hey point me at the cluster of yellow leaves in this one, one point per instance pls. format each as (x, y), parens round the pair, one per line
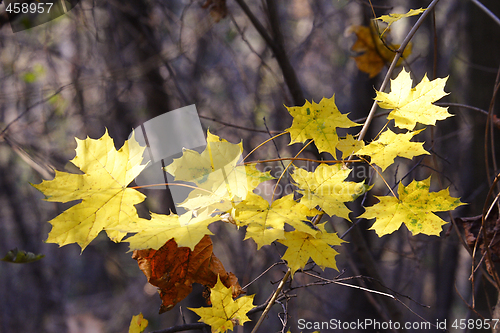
(224, 186)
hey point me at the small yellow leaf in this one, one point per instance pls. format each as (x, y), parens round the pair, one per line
(319, 122)
(349, 146)
(414, 105)
(413, 208)
(317, 246)
(138, 324)
(391, 18)
(389, 145)
(225, 312)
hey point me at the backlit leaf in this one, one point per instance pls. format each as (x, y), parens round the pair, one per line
(265, 223)
(319, 122)
(186, 229)
(225, 312)
(221, 181)
(391, 18)
(317, 246)
(325, 187)
(349, 146)
(138, 324)
(414, 105)
(106, 202)
(384, 150)
(413, 208)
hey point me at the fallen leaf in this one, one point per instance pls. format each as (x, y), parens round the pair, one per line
(218, 9)
(174, 269)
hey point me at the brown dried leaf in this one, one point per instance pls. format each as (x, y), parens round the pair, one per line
(174, 269)
(472, 228)
(218, 9)
(374, 55)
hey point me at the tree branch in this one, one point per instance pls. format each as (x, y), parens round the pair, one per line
(276, 43)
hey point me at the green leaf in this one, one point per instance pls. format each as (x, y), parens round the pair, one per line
(21, 257)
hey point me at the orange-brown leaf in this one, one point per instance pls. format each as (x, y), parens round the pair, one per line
(374, 55)
(218, 9)
(174, 269)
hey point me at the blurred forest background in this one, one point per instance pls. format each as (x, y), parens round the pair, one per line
(116, 64)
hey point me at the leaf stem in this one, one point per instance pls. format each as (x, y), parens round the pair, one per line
(284, 171)
(171, 184)
(272, 300)
(263, 143)
(300, 159)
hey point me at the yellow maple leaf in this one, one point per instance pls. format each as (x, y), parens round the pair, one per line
(414, 105)
(106, 202)
(374, 55)
(384, 150)
(413, 208)
(325, 187)
(225, 312)
(391, 18)
(186, 229)
(265, 223)
(138, 324)
(349, 146)
(317, 246)
(221, 181)
(319, 122)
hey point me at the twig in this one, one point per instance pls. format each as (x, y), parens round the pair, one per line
(261, 274)
(272, 300)
(237, 126)
(33, 105)
(277, 46)
(487, 11)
